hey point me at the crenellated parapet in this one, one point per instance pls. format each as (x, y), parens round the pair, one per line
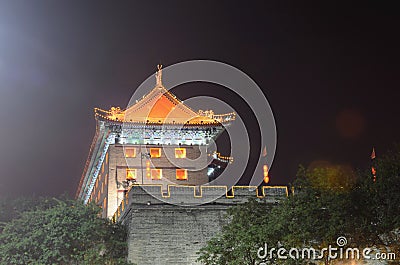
(145, 196)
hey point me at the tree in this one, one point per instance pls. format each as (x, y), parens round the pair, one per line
(375, 205)
(236, 244)
(62, 232)
(313, 217)
(11, 208)
(328, 202)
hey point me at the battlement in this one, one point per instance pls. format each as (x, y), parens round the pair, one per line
(139, 196)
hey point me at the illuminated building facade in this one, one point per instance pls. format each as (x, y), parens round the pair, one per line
(157, 140)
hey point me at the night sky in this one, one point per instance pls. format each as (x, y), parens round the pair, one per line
(330, 73)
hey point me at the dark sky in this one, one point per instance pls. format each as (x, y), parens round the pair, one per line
(330, 73)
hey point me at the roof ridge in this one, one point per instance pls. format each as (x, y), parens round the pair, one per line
(162, 91)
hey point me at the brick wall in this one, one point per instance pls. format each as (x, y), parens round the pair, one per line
(117, 165)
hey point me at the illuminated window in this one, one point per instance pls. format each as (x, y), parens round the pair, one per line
(130, 152)
(265, 171)
(180, 152)
(130, 174)
(155, 152)
(156, 173)
(107, 158)
(181, 174)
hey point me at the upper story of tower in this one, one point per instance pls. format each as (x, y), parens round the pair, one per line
(160, 108)
(159, 119)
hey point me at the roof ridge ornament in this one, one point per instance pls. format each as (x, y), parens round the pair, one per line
(159, 75)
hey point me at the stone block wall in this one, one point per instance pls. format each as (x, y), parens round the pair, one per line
(170, 227)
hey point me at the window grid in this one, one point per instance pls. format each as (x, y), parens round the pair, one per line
(181, 174)
(180, 152)
(130, 152)
(130, 174)
(156, 174)
(155, 152)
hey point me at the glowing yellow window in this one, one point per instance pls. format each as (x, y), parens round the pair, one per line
(181, 174)
(130, 152)
(155, 152)
(104, 203)
(180, 152)
(130, 174)
(156, 173)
